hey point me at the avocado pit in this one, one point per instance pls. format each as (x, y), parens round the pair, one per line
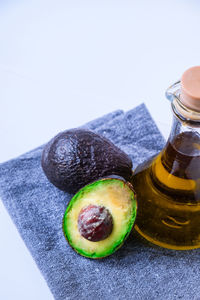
(95, 223)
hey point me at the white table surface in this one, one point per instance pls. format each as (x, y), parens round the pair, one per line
(63, 63)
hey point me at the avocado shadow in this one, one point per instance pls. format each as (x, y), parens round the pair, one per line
(137, 249)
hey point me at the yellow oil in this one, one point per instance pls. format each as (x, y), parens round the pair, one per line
(168, 193)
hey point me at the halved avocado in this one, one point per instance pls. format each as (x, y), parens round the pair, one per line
(100, 217)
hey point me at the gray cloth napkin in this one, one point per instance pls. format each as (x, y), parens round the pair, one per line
(137, 270)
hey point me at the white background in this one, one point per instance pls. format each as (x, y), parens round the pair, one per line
(63, 63)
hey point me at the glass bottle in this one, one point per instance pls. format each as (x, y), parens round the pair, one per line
(168, 185)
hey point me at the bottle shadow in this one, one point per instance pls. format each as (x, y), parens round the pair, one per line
(137, 249)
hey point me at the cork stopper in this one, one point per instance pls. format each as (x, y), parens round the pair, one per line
(190, 88)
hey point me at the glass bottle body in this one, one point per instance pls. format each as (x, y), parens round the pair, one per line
(168, 189)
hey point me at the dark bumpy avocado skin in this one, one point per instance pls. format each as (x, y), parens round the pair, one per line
(76, 157)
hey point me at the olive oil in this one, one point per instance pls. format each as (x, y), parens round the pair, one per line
(168, 192)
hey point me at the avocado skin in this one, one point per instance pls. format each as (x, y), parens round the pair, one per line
(76, 157)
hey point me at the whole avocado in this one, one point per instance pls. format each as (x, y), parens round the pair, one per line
(76, 157)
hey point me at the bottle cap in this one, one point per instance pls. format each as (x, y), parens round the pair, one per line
(190, 88)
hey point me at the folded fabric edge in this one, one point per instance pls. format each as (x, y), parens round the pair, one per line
(142, 105)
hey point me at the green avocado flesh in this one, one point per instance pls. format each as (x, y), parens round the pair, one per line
(119, 199)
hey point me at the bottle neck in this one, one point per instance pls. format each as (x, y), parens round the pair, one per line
(184, 128)
(185, 121)
(181, 155)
